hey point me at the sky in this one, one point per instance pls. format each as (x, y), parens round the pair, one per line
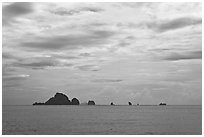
(144, 53)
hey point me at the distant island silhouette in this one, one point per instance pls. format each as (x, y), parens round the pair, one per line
(91, 102)
(60, 99)
(112, 104)
(162, 104)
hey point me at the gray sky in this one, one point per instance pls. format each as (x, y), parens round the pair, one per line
(107, 52)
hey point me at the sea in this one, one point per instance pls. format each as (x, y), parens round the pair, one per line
(101, 120)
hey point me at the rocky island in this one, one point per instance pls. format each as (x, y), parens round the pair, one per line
(91, 102)
(59, 99)
(112, 104)
(162, 104)
(129, 103)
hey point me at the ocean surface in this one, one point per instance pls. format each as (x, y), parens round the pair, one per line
(102, 120)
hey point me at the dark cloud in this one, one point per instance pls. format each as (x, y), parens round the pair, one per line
(85, 54)
(184, 56)
(123, 44)
(41, 63)
(107, 80)
(70, 41)
(12, 11)
(63, 56)
(6, 55)
(7, 70)
(174, 24)
(97, 24)
(130, 38)
(68, 12)
(37, 63)
(92, 9)
(88, 67)
(64, 12)
(9, 56)
(159, 50)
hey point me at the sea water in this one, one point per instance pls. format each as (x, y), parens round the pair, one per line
(101, 120)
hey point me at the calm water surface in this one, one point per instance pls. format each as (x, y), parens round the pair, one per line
(102, 120)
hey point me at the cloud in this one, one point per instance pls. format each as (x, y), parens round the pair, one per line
(88, 68)
(64, 12)
(16, 76)
(97, 24)
(70, 41)
(137, 4)
(85, 54)
(184, 56)
(14, 80)
(7, 55)
(177, 23)
(11, 11)
(64, 56)
(67, 12)
(41, 63)
(92, 9)
(123, 44)
(107, 80)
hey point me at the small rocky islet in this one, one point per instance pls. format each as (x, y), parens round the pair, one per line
(91, 102)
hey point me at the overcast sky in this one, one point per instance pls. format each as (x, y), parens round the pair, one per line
(145, 53)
